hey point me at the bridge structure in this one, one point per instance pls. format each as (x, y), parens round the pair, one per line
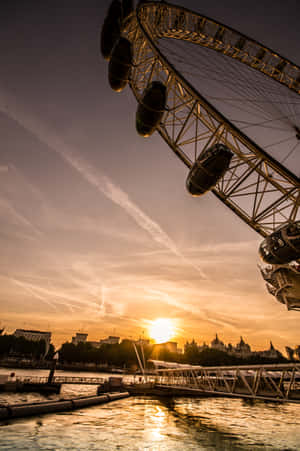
(61, 380)
(273, 382)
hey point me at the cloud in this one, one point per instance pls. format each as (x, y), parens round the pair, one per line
(227, 248)
(102, 183)
(17, 218)
(15, 190)
(55, 296)
(19, 182)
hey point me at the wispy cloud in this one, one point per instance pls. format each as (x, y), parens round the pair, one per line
(17, 192)
(29, 289)
(55, 296)
(197, 312)
(16, 217)
(101, 182)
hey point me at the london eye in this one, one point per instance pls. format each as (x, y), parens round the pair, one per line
(229, 109)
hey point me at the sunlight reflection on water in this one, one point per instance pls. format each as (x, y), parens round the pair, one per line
(136, 424)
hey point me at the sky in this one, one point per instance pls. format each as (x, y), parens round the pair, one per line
(98, 233)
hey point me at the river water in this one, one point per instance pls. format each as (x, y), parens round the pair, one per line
(142, 423)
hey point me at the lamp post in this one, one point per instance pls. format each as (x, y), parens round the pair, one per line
(53, 366)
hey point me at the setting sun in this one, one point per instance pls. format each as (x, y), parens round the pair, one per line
(162, 330)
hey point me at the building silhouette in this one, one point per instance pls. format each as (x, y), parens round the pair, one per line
(82, 338)
(240, 350)
(79, 338)
(35, 335)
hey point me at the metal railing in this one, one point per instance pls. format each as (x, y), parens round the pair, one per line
(61, 380)
(269, 382)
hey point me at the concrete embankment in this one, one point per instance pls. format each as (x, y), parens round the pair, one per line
(26, 410)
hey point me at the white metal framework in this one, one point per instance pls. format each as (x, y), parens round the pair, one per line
(268, 382)
(257, 187)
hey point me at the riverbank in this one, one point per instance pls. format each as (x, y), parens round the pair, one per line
(75, 367)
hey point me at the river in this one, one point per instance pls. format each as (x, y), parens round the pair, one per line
(149, 424)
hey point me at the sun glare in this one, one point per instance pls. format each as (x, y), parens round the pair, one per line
(162, 330)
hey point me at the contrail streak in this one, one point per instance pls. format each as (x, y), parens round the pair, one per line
(17, 217)
(32, 292)
(101, 182)
(60, 298)
(201, 313)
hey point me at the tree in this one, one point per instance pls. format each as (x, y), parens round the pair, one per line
(20, 347)
(191, 352)
(290, 352)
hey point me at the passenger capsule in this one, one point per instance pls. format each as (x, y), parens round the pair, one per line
(127, 8)
(282, 246)
(209, 167)
(111, 29)
(151, 108)
(283, 282)
(120, 64)
(115, 9)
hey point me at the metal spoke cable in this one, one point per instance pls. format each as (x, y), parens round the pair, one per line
(213, 69)
(290, 153)
(208, 76)
(282, 99)
(248, 88)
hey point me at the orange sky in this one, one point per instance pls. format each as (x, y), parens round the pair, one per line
(98, 233)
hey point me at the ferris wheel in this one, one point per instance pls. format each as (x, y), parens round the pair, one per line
(229, 109)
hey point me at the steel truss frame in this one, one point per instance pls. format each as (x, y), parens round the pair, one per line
(269, 382)
(261, 191)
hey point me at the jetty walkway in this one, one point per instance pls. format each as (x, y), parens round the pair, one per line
(275, 382)
(278, 382)
(61, 380)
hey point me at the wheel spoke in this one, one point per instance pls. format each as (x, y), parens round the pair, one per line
(243, 88)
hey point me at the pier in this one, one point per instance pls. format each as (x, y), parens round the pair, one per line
(42, 384)
(266, 382)
(275, 382)
(61, 380)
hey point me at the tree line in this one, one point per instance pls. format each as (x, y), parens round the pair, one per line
(123, 355)
(20, 347)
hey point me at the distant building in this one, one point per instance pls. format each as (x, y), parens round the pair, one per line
(94, 344)
(170, 346)
(271, 353)
(35, 335)
(202, 347)
(218, 344)
(111, 340)
(191, 347)
(79, 338)
(142, 342)
(242, 349)
(290, 352)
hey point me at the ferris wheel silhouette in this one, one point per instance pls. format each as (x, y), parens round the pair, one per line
(229, 109)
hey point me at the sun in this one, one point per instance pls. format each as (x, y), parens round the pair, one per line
(162, 330)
